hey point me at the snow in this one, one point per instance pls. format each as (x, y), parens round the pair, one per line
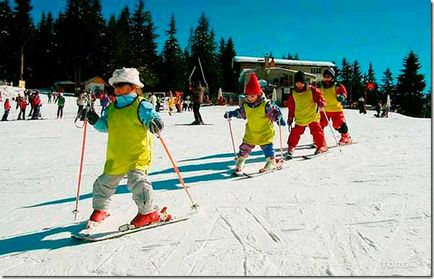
(361, 211)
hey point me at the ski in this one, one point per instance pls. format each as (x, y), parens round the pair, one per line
(260, 172)
(340, 145)
(94, 237)
(314, 155)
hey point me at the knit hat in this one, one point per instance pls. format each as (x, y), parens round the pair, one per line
(253, 87)
(127, 75)
(329, 71)
(299, 77)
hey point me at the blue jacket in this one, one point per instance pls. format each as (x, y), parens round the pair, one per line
(147, 112)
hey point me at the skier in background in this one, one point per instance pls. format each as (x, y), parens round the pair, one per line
(334, 94)
(260, 114)
(60, 104)
(7, 107)
(153, 99)
(22, 103)
(198, 96)
(171, 103)
(129, 122)
(304, 104)
(362, 105)
(37, 104)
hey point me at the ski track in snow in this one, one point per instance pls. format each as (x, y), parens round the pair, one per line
(361, 210)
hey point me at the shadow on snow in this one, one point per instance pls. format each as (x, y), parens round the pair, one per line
(217, 171)
(40, 240)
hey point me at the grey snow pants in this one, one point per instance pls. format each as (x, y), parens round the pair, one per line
(105, 187)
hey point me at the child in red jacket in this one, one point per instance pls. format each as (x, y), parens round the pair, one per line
(23, 105)
(7, 107)
(304, 104)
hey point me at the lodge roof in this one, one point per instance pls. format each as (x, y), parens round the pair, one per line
(251, 59)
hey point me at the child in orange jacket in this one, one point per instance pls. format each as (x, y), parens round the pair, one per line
(304, 104)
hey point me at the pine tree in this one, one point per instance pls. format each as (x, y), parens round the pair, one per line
(144, 48)
(123, 40)
(97, 50)
(203, 46)
(81, 33)
(345, 77)
(43, 51)
(427, 105)
(110, 45)
(226, 54)
(357, 86)
(387, 86)
(23, 30)
(410, 86)
(58, 50)
(220, 57)
(8, 52)
(173, 69)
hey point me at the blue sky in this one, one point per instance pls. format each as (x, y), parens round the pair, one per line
(379, 31)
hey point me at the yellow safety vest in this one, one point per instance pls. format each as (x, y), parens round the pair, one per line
(333, 105)
(259, 128)
(129, 144)
(305, 108)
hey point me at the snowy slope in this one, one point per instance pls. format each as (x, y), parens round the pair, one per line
(364, 210)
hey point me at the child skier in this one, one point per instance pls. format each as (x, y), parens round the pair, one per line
(334, 94)
(128, 122)
(304, 104)
(260, 114)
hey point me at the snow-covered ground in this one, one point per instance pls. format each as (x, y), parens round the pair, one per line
(364, 210)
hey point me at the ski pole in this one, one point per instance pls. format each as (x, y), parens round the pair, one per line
(189, 78)
(201, 69)
(194, 205)
(331, 129)
(232, 137)
(81, 168)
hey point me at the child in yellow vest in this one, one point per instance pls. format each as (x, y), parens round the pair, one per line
(334, 94)
(304, 104)
(129, 121)
(260, 114)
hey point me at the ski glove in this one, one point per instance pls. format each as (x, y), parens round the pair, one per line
(230, 114)
(341, 98)
(90, 114)
(156, 126)
(290, 120)
(282, 122)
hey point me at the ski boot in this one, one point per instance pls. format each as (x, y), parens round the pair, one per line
(142, 220)
(241, 163)
(271, 164)
(345, 139)
(321, 149)
(290, 153)
(96, 218)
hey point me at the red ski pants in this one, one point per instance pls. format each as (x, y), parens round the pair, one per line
(315, 130)
(336, 118)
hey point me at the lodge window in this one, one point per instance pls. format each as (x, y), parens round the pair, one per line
(315, 70)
